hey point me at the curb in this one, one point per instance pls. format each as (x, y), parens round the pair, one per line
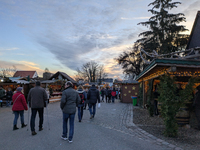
(147, 135)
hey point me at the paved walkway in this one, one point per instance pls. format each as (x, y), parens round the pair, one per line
(111, 129)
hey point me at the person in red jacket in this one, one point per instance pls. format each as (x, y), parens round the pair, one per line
(113, 93)
(19, 105)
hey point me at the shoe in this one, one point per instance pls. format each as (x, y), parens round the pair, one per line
(91, 116)
(70, 141)
(15, 127)
(64, 138)
(34, 133)
(23, 125)
(40, 129)
(79, 121)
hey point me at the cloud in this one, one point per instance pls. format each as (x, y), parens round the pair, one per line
(22, 65)
(8, 49)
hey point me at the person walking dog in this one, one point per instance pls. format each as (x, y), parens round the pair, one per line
(19, 105)
(37, 99)
(93, 96)
(69, 101)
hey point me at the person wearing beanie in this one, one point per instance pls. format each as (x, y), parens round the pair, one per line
(83, 96)
(69, 101)
(19, 105)
(37, 99)
(93, 96)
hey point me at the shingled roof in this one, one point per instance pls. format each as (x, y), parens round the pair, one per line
(24, 74)
(194, 40)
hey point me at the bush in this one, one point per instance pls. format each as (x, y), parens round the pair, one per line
(172, 101)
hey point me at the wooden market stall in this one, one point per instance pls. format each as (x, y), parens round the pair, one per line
(182, 69)
(128, 89)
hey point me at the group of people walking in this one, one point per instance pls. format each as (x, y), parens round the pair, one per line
(109, 94)
(71, 99)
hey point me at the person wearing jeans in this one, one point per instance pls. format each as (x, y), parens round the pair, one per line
(19, 105)
(69, 101)
(113, 94)
(92, 109)
(83, 96)
(93, 96)
(71, 125)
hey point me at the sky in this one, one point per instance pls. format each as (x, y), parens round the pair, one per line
(61, 35)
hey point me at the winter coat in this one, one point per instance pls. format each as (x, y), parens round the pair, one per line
(102, 92)
(113, 93)
(2, 93)
(108, 92)
(9, 95)
(82, 95)
(19, 102)
(69, 101)
(93, 95)
(37, 97)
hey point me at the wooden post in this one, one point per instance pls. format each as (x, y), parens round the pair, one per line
(143, 93)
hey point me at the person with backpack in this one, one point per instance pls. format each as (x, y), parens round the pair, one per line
(113, 94)
(93, 96)
(83, 96)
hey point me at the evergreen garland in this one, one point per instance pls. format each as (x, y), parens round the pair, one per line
(172, 101)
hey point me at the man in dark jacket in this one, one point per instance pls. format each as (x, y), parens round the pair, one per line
(37, 99)
(102, 94)
(93, 96)
(108, 94)
(69, 101)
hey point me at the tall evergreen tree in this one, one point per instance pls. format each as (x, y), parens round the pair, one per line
(165, 34)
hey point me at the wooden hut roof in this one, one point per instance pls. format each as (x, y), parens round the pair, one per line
(64, 75)
(195, 33)
(164, 64)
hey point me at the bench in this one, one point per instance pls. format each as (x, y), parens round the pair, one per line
(4, 102)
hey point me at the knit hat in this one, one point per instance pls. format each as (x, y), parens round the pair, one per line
(19, 89)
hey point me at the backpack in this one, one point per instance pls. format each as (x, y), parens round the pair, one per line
(113, 93)
(82, 97)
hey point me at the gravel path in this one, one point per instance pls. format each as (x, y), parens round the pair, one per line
(188, 138)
